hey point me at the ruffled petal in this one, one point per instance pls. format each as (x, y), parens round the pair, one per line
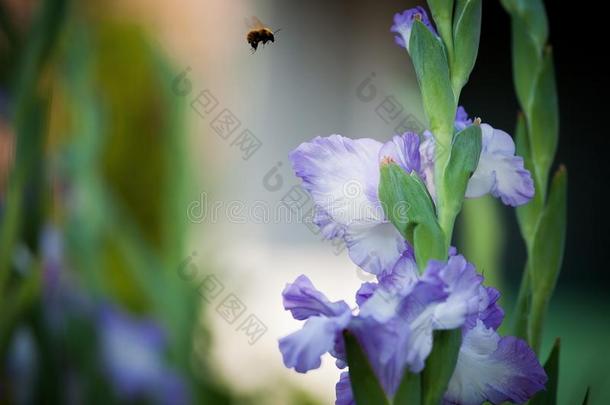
(489, 311)
(417, 311)
(500, 172)
(342, 176)
(494, 369)
(383, 303)
(375, 248)
(404, 150)
(344, 390)
(446, 296)
(462, 284)
(302, 350)
(365, 292)
(303, 300)
(403, 23)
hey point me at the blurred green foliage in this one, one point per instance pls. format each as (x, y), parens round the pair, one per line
(101, 157)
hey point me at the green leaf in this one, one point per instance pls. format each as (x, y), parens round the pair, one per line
(527, 214)
(442, 13)
(547, 250)
(549, 396)
(466, 34)
(429, 244)
(440, 365)
(365, 386)
(526, 63)
(547, 254)
(409, 390)
(408, 206)
(432, 69)
(463, 161)
(534, 18)
(544, 120)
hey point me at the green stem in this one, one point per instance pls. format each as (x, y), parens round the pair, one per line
(537, 314)
(446, 216)
(520, 314)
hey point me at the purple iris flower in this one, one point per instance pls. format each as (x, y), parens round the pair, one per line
(395, 323)
(403, 23)
(342, 176)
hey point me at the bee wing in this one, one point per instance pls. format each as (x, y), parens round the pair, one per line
(256, 23)
(248, 23)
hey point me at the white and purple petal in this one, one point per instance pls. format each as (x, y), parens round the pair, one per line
(462, 283)
(303, 300)
(365, 292)
(303, 349)
(375, 248)
(393, 286)
(417, 311)
(489, 311)
(446, 296)
(342, 176)
(500, 172)
(495, 369)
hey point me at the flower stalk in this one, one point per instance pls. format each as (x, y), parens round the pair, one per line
(543, 220)
(426, 331)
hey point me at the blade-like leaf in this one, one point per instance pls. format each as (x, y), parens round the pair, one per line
(408, 206)
(365, 386)
(463, 161)
(547, 250)
(544, 120)
(466, 34)
(440, 365)
(527, 214)
(442, 13)
(409, 390)
(547, 254)
(534, 18)
(526, 63)
(432, 69)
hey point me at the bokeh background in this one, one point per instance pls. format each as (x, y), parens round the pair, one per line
(139, 237)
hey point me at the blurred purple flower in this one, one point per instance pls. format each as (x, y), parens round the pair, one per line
(133, 356)
(22, 364)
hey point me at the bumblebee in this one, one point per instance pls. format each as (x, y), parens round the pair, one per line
(258, 32)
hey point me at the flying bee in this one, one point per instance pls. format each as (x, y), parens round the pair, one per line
(257, 32)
